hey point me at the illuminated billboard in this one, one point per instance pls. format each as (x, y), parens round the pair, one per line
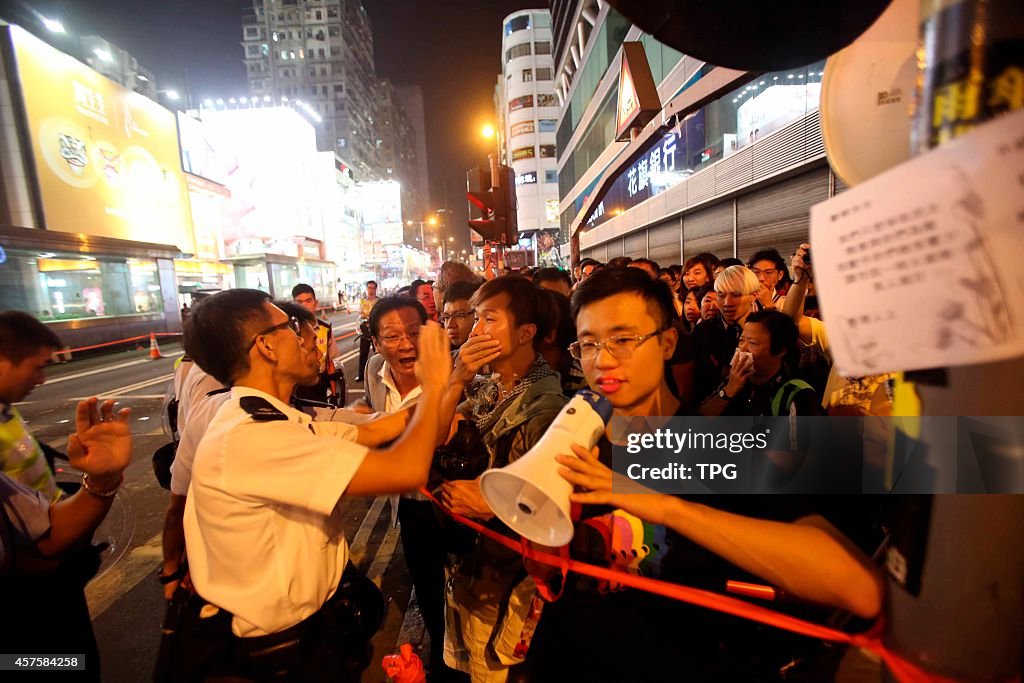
(106, 157)
(382, 212)
(266, 158)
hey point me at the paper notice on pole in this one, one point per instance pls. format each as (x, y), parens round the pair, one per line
(923, 266)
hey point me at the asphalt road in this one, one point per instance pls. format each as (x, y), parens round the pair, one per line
(125, 600)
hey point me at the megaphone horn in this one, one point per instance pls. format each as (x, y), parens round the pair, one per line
(529, 495)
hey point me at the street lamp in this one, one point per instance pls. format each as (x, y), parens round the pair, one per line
(487, 131)
(53, 25)
(172, 94)
(432, 221)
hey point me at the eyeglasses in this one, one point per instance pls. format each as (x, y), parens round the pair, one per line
(621, 346)
(768, 272)
(396, 339)
(457, 317)
(292, 323)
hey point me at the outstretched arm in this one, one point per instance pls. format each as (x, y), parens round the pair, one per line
(807, 558)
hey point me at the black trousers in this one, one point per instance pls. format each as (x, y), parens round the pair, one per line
(424, 555)
(364, 354)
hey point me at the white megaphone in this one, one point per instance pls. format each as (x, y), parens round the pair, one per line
(529, 495)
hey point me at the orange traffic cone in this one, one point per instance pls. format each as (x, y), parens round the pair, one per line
(154, 348)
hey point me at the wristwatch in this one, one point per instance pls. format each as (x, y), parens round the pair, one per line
(724, 396)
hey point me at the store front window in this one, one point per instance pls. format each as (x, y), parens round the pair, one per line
(65, 286)
(710, 134)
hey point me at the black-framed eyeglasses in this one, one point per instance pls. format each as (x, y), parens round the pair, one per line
(621, 346)
(292, 323)
(458, 317)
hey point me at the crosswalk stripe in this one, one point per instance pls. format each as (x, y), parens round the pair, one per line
(357, 548)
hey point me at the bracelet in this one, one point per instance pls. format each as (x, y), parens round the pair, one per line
(101, 494)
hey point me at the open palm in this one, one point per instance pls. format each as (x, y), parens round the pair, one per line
(102, 442)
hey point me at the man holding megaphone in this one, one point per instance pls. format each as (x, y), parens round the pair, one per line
(624, 339)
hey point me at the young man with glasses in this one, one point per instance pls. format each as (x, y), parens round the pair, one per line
(272, 578)
(458, 317)
(770, 269)
(623, 323)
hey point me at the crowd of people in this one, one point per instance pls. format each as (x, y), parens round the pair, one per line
(459, 375)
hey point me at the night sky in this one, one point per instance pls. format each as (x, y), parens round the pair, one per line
(451, 48)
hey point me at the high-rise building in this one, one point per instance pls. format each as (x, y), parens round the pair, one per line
(118, 65)
(396, 151)
(411, 99)
(527, 117)
(730, 164)
(322, 55)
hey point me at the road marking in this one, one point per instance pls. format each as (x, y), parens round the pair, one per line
(357, 548)
(126, 573)
(131, 387)
(63, 441)
(87, 373)
(413, 629)
(384, 554)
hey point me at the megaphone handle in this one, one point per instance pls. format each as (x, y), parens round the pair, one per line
(543, 588)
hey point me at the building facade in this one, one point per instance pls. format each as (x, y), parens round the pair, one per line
(118, 65)
(397, 151)
(731, 164)
(527, 108)
(320, 54)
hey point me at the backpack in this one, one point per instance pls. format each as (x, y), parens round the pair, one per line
(782, 402)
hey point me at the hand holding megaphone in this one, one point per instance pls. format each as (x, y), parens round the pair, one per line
(529, 495)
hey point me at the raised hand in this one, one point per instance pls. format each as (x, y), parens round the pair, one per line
(434, 361)
(102, 443)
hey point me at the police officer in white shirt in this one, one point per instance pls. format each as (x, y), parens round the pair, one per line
(265, 541)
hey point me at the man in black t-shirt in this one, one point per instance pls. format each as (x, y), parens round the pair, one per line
(590, 634)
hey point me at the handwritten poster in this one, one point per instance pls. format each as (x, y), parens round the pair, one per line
(923, 266)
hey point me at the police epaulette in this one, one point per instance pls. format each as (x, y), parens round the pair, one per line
(261, 409)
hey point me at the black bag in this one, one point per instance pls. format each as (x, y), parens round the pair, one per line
(163, 457)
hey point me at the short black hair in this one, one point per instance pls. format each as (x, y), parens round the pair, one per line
(650, 263)
(772, 255)
(371, 282)
(294, 310)
(561, 317)
(303, 288)
(22, 335)
(784, 335)
(460, 291)
(704, 290)
(525, 302)
(729, 261)
(220, 328)
(551, 274)
(620, 262)
(393, 303)
(611, 281)
(589, 262)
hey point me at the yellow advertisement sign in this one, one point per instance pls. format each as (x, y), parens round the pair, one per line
(107, 158)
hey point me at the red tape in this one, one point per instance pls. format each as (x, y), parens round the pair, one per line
(905, 671)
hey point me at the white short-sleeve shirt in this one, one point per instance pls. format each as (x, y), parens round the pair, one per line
(264, 538)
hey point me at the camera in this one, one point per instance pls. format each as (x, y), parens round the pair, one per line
(807, 258)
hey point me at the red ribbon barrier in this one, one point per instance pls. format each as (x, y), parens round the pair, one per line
(903, 670)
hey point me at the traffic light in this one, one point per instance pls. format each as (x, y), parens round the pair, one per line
(492, 199)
